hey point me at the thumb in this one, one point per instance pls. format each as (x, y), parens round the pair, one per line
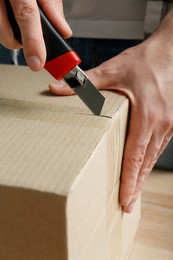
(107, 76)
(61, 88)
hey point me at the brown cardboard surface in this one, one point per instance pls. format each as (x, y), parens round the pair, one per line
(32, 225)
(61, 167)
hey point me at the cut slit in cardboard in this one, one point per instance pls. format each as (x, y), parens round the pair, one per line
(60, 171)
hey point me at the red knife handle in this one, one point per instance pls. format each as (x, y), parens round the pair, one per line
(61, 58)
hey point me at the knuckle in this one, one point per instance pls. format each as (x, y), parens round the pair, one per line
(134, 161)
(24, 12)
(165, 119)
(30, 42)
(168, 122)
(152, 116)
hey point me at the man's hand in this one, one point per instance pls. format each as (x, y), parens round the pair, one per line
(145, 75)
(28, 18)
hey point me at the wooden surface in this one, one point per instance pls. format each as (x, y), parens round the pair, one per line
(154, 239)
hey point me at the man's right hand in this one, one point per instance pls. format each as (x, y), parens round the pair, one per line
(27, 16)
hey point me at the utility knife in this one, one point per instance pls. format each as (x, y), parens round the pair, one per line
(62, 61)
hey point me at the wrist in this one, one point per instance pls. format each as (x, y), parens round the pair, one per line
(162, 39)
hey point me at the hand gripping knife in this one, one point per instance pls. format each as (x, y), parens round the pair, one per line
(62, 62)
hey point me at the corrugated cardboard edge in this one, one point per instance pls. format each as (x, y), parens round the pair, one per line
(106, 200)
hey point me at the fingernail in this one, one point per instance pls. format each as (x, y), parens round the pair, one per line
(34, 63)
(58, 84)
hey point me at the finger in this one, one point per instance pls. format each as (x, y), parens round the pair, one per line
(149, 161)
(6, 34)
(61, 88)
(112, 75)
(28, 18)
(109, 75)
(102, 77)
(152, 153)
(136, 144)
(155, 147)
(54, 11)
(129, 208)
(142, 175)
(165, 142)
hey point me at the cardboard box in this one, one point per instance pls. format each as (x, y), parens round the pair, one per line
(59, 173)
